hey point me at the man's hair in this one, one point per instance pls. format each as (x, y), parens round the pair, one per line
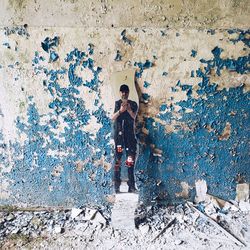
(124, 88)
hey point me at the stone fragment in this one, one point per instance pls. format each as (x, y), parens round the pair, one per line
(216, 201)
(178, 242)
(10, 217)
(89, 214)
(242, 192)
(57, 229)
(210, 209)
(15, 231)
(201, 190)
(99, 218)
(144, 229)
(244, 206)
(75, 212)
(229, 206)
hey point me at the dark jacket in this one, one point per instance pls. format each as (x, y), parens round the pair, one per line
(124, 126)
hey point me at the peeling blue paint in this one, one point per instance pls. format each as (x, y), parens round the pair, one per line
(240, 65)
(33, 162)
(243, 35)
(142, 67)
(124, 38)
(145, 97)
(211, 31)
(163, 33)
(193, 53)
(195, 149)
(50, 43)
(146, 84)
(37, 58)
(18, 30)
(53, 56)
(118, 56)
(7, 45)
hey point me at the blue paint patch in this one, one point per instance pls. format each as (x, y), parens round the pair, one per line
(145, 97)
(146, 84)
(18, 30)
(163, 33)
(142, 67)
(124, 38)
(239, 65)
(35, 170)
(211, 31)
(37, 58)
(7, 45)
(163, 107)
(243, 36)
(197, 149)
(193, 53)
(53, 56)
(91, 48)
(50, 43)
(118, 56)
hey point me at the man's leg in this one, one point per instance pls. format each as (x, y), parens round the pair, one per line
(131, 179)
(117, 169)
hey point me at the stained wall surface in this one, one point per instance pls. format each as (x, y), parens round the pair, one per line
(56, 102)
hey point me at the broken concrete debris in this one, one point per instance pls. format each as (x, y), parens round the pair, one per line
(41, 223)
(75, 212)
(242, 192)
(201, 190)
(208, 218)
(159, 227)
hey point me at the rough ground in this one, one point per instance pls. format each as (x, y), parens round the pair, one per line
(157, 227)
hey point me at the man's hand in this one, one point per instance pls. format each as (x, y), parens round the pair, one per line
(124, 107)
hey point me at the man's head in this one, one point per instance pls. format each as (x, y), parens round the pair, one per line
(124, 91)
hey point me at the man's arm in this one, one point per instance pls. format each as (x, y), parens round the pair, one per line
(115, 115)
(132, 110)
(118, 110)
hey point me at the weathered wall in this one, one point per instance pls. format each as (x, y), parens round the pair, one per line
(192, 62)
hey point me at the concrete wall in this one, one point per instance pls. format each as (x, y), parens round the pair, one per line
(192, 61)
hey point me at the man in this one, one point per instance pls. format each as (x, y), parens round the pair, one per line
(124, 136)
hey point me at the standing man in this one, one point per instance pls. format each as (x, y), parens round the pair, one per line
(124, 136)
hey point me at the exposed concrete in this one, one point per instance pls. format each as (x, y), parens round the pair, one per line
(127, 13)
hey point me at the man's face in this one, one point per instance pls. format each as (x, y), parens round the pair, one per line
(124, 95)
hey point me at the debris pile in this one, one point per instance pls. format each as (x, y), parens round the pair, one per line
(209, 223)
(33, 224)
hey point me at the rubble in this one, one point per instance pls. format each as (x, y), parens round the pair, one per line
(75, 212)
(242, 192)
(209, 224)
(33, 224)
